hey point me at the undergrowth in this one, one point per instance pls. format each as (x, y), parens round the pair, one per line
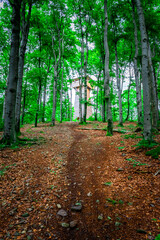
(154, 152)
(145, 144)
(20, 142)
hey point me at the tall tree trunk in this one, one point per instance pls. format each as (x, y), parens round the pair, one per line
(40, 83)
(119, 87)
(137, 81)
(57, 67)
(25, 32)
(97, 95)
(128, 98)
(54, 95)
(38, 101)
(85, 80)
(153, 86)
(107, 76)
(71, 102)
(44, 100)
(61, 93)
(145, 78)
(24, 103)
(9, 136)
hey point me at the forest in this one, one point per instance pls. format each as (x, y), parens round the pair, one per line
(44, 45)
(95, 174)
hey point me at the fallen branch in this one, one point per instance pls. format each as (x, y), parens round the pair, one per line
(157, 173)
(102, 129)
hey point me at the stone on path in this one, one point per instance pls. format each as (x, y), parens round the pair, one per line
(76, 208)
(62, 213)
(73, 223)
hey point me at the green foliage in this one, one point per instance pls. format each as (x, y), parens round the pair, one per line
(133, 136)
(145, 144)
(157, 237)
(135, 163)
(154, 152)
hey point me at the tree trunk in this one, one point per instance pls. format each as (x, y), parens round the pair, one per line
(145, 78)
(25, 32)
(24, 103)
(107, 76)
(119, 87)
(44, 100)
(128, 99)
(71, 102)
(9, 136)
(54, 95)
(61, 94)
(85, 80)
(138, 84)
(153, 86)
(40, 84)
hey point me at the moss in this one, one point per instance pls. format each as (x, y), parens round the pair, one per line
(154, 152)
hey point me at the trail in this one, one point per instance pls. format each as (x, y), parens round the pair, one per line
(85, 166)
(71, 166)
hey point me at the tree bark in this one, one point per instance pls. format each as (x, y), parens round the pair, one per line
(153, 86)
(40, 83)
(128, 99)
(24, 103)
(61, 93)
(25, 32)
(119, 87)
(145, 76)
(138, 84)
(9, 136)
(107, 76)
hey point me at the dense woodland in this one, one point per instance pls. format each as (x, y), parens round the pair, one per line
(44, 44)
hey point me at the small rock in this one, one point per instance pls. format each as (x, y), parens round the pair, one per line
(152, 205)
(100, 217)
(65, 225)
(30, 209)
(62, 213)
(150, 238)
(76, 208)
(73, 223)
(89, 194)
(59, 206)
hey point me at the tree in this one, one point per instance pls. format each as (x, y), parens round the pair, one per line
(22, 50)
(9, 136)
(106, 73)
(145, 74)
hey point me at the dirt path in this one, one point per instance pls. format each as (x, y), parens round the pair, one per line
(77, 168)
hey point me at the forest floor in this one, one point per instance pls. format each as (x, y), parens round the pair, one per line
(77, 183)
